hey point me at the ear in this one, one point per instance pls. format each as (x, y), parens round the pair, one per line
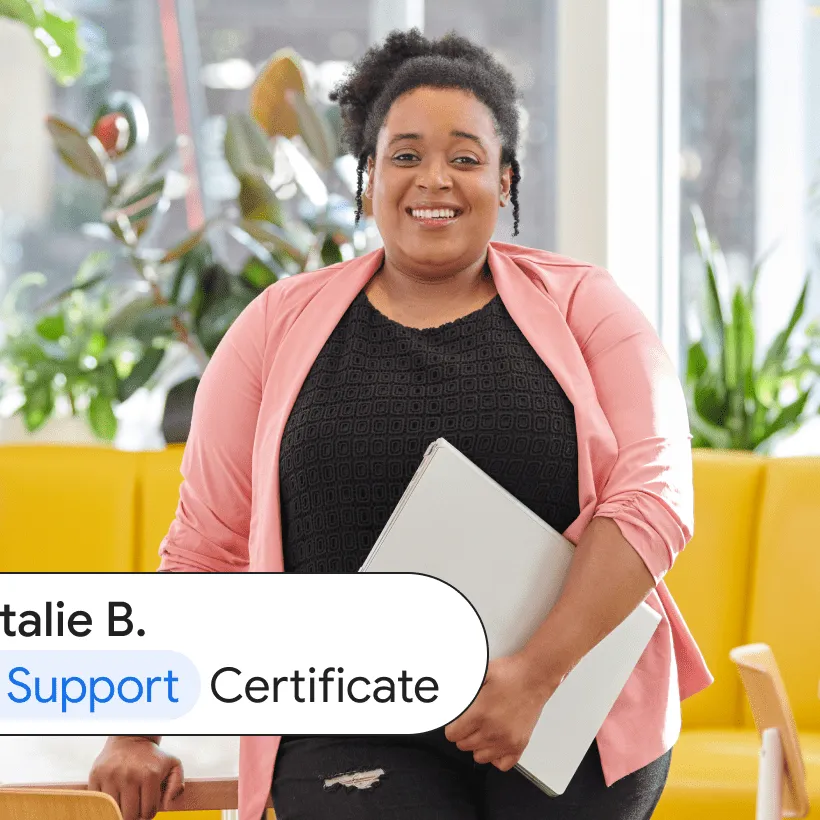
(506, 184)
(368, 191)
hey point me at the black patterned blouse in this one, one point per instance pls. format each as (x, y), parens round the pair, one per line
(379, 393)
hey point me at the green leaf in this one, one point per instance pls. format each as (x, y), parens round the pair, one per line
(96, 263)
(83, 154)
(697, 362)
(220, 315)
(775, 358)
(101, 417)
(258, 201)
(246, 148)
(788, 416)
(38, 407)
(156, 322)
(142, 371)
(314, 129)
(331, 254)
(133, 182)
(188, 270)
(126, 319)
(710, 399)
(22, 10)
(137, 208)
(258, 275)
(59, 41)
(51, 328)
(708, 434)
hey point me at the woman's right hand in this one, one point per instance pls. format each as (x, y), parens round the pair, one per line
(140, 777)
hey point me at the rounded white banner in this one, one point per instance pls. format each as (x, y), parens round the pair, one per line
(235, 653)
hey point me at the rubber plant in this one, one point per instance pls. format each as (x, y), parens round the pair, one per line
(186, 297)
(738, 401)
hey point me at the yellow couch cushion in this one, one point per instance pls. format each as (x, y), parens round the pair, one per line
(710, 580)
(785, 600)
(159, 480)
(714, 775)
(67, 509)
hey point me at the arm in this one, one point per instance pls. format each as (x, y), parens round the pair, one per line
(643, 519)
(212, 524)
(645, 514)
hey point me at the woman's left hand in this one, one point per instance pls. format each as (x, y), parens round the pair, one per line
(498, 724)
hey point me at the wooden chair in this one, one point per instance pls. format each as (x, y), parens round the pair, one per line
(781, 786)
(48, 804)
(72, 801)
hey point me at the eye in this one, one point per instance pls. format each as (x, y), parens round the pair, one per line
(404, 157)
(470, 160)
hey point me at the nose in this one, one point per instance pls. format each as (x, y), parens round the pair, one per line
(434, 174)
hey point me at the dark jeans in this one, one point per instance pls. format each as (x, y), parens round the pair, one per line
(426, 777)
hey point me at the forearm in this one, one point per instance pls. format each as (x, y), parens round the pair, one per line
(607, 580)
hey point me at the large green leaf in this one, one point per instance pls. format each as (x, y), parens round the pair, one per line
(38, 407)
(776, 355)
(258, 201)
(83, 154)
(708, 434)
(789, 415)
(331, 253)
(123, 322)
(101, 417)
(697, 362)
(51, 328)
(710, 399)
(142, 371)
(135, 181)
(59, 41)
(247, 150)
(314, 129)
(220, 314)
(138, 209)
(25, 11)
(156, 323)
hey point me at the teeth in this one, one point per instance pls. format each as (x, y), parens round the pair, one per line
(439, 213)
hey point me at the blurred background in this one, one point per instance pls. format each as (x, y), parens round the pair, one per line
(163, 161)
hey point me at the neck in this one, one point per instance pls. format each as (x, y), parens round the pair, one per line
(408, 286)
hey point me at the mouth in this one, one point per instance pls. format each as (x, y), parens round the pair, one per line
(435, 218)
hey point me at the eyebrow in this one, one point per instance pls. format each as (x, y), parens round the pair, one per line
(455, 133)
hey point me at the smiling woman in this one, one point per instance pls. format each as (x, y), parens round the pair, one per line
(535, 366)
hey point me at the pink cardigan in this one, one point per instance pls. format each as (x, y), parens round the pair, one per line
(634, 459)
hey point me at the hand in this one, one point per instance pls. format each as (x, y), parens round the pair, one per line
(498, 724)
(140, 777)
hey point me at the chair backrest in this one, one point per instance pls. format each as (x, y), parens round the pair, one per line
(45, 804)
(784, 605)
(770, 708)
(711, 578)
(67, 509)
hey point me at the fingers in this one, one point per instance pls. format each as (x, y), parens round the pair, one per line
(471, 742)
(129, 801)
(506, 763)
(149, 798)
(462, 727)
(174, 786)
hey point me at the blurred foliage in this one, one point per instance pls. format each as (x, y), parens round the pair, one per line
(55, 33)
(736, 402)
(294, 211)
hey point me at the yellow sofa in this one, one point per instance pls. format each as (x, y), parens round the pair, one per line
(750, 574)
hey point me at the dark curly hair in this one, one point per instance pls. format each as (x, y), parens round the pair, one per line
(408, 60)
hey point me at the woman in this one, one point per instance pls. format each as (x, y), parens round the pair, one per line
(536, 366)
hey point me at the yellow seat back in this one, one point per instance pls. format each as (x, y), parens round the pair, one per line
(159, 480)
(44, 804)
(785, 600)
(711, 578)
(67, 509)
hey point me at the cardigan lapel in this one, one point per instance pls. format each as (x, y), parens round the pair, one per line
(538, 317)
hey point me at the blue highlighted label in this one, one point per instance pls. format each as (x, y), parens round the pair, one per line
(89, 685)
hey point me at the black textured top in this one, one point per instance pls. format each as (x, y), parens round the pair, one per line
(379, 393)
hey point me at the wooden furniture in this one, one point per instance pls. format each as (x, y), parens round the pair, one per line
(41, 804)
(781, 785)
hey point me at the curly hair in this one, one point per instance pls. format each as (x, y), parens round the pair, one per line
(408, 60)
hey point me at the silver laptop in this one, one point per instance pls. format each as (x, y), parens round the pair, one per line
(457, 524)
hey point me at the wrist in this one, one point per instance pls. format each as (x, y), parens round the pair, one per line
(543, 672)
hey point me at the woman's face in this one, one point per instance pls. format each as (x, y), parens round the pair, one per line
(438, 149)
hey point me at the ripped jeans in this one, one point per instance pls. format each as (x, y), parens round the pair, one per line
(426, 777)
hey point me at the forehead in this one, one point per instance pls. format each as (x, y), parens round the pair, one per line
(435, 112)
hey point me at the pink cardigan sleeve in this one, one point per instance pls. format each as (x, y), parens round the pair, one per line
(211, 528)
(649, 493)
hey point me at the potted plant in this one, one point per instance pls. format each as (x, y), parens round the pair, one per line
(735, 401)
(293, 212)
